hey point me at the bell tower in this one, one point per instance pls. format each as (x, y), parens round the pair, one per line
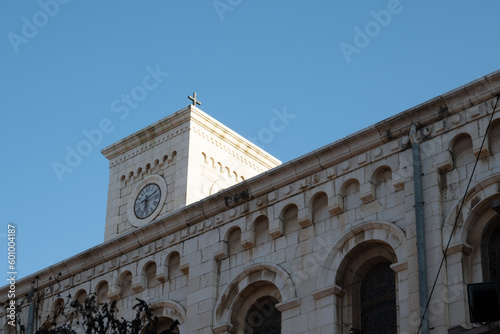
(172, 163)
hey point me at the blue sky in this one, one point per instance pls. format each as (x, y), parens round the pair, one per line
(337, 66)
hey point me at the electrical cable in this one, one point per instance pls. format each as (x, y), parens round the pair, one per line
(458, 213)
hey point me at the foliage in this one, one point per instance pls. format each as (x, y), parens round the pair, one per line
(100, 318)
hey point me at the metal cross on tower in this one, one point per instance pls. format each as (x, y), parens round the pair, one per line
(195, 101)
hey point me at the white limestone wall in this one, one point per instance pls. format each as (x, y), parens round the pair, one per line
(307, 233)
(287, 240)
(196, 156)
(220, 158)
(165, 155)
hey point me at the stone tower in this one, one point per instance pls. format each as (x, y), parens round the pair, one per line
(183, 158)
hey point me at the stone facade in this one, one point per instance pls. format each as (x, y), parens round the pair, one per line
(306, 234)
(192, 153)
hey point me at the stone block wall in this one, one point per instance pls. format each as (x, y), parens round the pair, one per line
(306, 234)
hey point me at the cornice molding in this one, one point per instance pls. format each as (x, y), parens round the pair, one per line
(150, 132)
(215, 129)
(219, 134)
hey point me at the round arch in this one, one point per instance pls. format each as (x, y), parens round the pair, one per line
(347, 183)
(162, 307)
(458, 137)
(375, 231)
(472, 221)
(272, 277)
(475, 213)
(80, 296)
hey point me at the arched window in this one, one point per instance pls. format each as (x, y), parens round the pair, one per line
(263, 317)
(378, 300)
(289, 217)
(164, 325)
(490, 250)
(102, 292)
(320, 207)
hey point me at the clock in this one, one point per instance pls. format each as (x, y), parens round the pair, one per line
(146, 200)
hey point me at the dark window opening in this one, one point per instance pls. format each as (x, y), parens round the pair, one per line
(263, 317)
(378, 301)
(491, 251)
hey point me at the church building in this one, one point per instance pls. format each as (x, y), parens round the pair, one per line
(383, 231)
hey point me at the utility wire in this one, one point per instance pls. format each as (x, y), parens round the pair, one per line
(458, 213)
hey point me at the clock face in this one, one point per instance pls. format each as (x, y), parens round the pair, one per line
(147, 201)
